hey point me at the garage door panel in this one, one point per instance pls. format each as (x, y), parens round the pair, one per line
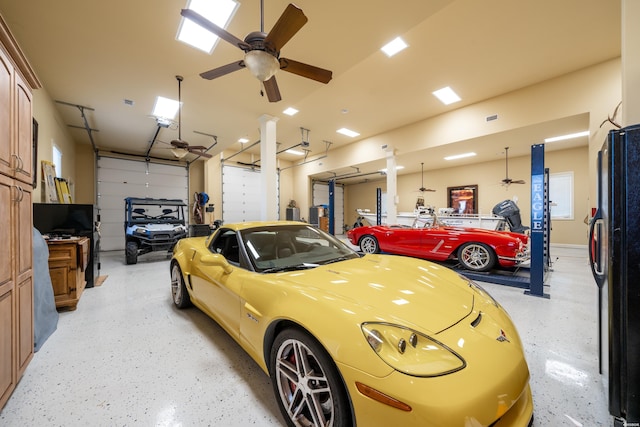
(241, 194)
(121, 178)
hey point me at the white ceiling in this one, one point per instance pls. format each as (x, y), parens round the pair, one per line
(97, 54)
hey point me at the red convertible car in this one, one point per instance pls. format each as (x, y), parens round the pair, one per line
(475, 249)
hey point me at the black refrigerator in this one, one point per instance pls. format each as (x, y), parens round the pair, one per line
(614, 253)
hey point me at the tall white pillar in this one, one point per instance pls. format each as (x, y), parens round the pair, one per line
(268, 171)
(392, 187)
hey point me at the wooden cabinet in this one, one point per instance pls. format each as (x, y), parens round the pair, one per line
(68, 260)
(17, 80)
(324, 223)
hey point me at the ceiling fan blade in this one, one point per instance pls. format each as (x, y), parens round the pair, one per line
(179, 143)
(518, 181)
(289, 23)
(196, 148)
(201, 153)
(210, 26)
(221, 71)
(271, 87)
(309, 71)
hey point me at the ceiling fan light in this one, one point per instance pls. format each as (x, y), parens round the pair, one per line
(179, 152)
(262, 65)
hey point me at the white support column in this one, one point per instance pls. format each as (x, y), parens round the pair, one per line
(268, 172)
(392, 187)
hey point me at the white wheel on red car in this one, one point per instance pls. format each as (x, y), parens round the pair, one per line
(476, 256)
(369, 244)
(306, 382)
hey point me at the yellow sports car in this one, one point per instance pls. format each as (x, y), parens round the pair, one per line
(350, 339)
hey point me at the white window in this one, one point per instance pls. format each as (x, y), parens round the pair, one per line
(57, 161)
(561, 195)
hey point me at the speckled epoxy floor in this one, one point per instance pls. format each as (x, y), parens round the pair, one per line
(127, 357)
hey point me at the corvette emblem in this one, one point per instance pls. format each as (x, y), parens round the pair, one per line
(502, 337)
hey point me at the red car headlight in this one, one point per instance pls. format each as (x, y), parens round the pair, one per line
(411, 352)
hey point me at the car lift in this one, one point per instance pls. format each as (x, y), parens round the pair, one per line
(530, 277)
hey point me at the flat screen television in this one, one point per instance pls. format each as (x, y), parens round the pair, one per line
(63, 218)
(59, 219)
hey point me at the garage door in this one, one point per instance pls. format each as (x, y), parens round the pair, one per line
(321, 198)
(241, 195)
(120, 178)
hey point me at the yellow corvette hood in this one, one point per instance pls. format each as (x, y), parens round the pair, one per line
(389, 288)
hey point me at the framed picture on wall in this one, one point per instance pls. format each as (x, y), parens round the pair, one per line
(463, 199)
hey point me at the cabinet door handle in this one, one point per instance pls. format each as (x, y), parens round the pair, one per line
(19, 195)
(19, 163)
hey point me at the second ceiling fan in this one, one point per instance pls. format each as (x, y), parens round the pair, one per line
(262, 50)
(181, 147)
(508, 181)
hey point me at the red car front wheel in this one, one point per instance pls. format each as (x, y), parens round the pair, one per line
(476, 256)
(369, 244)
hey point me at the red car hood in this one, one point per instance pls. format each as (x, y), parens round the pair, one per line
(390, 288)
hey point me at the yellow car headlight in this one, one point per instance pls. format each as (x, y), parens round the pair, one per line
(411, 352)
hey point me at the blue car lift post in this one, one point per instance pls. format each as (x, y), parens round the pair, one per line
(532, 278)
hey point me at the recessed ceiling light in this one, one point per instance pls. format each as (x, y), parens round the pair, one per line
(446, 95)
(165, 108)
(568, 136)
(290, 111)
(296, 152)
(219, 12)
(243, 140)
(460, 156)
(394, 46)
(348, 132)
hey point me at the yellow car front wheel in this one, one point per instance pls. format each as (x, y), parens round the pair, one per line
(309, 390)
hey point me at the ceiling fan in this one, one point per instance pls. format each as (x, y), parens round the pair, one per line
(182, 148)
(262, 50)
(422, 189)
(508, 181)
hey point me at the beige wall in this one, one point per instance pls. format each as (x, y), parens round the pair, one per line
(85, 168)
(490, 190)
(51, 130)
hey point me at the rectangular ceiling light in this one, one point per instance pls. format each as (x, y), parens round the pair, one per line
(296, 152)
(219, 12)
(290, 111)
(568, 136)
(165, 108)
(394, 46)
(348, 132)
(446, 95)
(460, 156)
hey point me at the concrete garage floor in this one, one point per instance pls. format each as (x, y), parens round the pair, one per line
(127, 357)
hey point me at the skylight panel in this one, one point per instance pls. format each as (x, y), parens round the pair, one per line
(219, 12)
(165, 108)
